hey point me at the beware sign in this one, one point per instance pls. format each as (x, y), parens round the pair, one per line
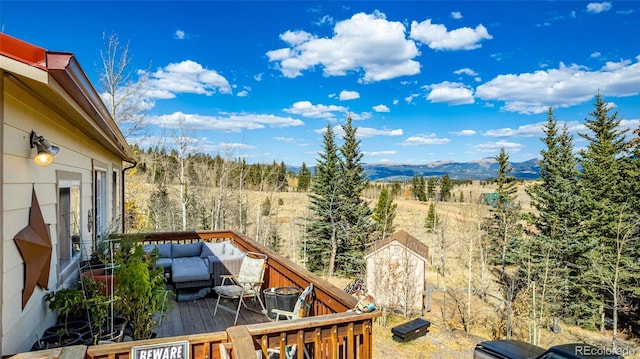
(173, 350)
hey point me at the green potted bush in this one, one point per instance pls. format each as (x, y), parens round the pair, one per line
(140, 289)
(70, 302)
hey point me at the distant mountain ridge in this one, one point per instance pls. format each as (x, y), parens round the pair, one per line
(481, 169)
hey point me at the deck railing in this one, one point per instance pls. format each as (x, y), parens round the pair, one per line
(342, 335)
(280, 271)
(330, 332)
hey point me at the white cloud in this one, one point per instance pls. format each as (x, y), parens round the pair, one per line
(381, 108)
(464, 133)
(595, 55)
(613, 66)
(437, 37)
(366, 43)
(409, 99)
(421, 140)
(598, 7)
(284, 139)
(228, 123)
(466, 71)
(452, 93)
(494, 147)
(179, 34)
(456, 15)
(184, 77)
(365, 132)
(533, 93)
(307, 109)
(530, 130)
(380, 153)
(348, 95)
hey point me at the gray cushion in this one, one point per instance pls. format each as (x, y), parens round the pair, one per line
(217, 249)
(186, 250)
(187, 269)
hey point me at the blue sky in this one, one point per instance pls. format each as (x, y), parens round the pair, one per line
(423, 81)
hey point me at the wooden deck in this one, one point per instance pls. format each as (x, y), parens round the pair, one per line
(196, 316)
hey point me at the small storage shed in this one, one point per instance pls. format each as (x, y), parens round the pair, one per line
(396, 272)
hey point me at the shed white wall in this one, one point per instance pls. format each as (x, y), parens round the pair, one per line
(22, 114)
(395, 277)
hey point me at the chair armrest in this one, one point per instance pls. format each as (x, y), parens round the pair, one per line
(229, 277)
(280, 312)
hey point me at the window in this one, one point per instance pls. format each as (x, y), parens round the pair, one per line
(115, 197)
(100, 202)
(69, 223)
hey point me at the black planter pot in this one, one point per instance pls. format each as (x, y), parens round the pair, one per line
(77, 326)
(56, 341)
(119, 323)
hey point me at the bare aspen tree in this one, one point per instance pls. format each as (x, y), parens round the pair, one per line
(615, 262)
(184, 143)
(124, 96)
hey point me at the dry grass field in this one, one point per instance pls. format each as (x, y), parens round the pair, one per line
(446, 337)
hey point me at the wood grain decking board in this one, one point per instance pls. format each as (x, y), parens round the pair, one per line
(196, 316)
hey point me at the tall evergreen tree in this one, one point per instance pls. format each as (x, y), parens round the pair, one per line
(418, 189)
(304, 178)
(431, 221)
(384, 214)
(431, 188)
(324, 230)
(555, 246)
(445, 188)
(356, 214)
(603, 196)
(504, 232)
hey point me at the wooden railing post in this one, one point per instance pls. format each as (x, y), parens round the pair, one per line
(242, 342)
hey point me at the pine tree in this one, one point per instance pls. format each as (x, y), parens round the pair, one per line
(555, 247)
(431, 221)
(431, 188)
(304, 178)
(356, 214)
(418, 189)
(504, 232)
(384, 214)
(603, 196)
(445, 188)
(324, 230)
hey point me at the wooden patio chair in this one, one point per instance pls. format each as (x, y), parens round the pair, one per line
(246, 284)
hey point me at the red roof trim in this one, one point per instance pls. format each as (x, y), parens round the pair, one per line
(23, 51)
(64, 68)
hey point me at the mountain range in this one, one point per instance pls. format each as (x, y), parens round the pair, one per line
(481, 169)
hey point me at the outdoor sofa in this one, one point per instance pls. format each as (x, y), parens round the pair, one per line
(197, 264)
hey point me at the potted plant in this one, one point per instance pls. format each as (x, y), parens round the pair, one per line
(59, 339)
(140, 288)
(70, 302)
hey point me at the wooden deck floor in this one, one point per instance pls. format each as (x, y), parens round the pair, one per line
(196, 316)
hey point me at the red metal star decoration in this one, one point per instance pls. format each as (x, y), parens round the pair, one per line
(34, 244)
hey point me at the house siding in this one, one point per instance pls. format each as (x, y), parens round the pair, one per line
(22, 113)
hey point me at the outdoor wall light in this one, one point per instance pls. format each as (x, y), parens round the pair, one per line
(46, 151)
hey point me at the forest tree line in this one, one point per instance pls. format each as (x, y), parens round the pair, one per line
(578, 254)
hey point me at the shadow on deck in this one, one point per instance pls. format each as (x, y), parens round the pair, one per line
(196, 316)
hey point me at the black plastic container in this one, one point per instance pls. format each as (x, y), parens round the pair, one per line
(286, 297)
(410, 330)
(270, 301)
